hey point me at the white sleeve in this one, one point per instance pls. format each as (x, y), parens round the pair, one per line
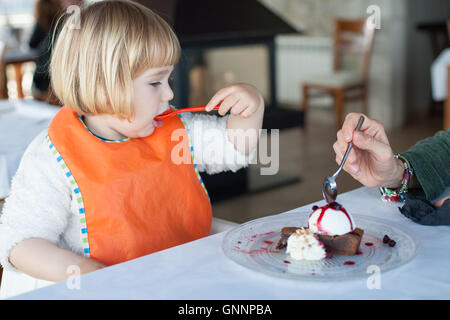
(213, 152)
(39, 201)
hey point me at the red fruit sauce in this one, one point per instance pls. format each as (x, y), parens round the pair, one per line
(334, 206)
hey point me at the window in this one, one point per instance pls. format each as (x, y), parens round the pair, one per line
(13, 7)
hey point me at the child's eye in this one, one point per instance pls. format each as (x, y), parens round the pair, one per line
(155, 84)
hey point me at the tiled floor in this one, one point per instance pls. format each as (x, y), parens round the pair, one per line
(307, 152)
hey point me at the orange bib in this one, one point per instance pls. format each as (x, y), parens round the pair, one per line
(133, 199)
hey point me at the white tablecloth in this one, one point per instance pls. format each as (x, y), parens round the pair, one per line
(20, 122)
(200, 270)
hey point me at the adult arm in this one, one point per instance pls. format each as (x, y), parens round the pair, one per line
(430, 159)
(371, 160)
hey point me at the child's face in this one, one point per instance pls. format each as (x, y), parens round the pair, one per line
(152, 94)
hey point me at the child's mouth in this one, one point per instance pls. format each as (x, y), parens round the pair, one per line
(157, 123)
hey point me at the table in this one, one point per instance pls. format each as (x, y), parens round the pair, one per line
(200, 270)
(20, 122)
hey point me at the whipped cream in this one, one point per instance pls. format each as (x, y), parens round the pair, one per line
(304, 245)
(331, 219)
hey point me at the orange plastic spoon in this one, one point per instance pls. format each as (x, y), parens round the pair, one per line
(170, 113)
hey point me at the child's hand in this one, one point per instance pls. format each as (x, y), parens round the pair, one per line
(241, 99)
(246, 106)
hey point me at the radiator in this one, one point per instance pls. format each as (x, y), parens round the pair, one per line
(298, 57)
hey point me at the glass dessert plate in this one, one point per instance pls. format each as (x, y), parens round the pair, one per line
(253, 245)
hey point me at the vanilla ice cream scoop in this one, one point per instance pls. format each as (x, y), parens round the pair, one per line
(304, 245)
(332, 220)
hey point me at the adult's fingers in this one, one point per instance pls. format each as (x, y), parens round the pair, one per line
(352, 167)
(370, 126)
(440, 202)
(341, 147)
(369, 143)
(350, 122)
(341, 143)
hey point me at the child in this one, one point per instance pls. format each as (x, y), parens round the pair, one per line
(100, 186)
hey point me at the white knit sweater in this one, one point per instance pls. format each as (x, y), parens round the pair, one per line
(41, 204)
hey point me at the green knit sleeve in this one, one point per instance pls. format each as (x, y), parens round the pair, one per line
(430, 160)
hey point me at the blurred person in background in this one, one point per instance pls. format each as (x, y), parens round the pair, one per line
(46, 14)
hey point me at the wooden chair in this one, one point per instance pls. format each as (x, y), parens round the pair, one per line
(3, 81)
(448, 29)
(355, 39)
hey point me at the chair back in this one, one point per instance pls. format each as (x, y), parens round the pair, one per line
(353, 44)
(3, 87)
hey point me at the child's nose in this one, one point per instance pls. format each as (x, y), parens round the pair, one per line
(168, 94)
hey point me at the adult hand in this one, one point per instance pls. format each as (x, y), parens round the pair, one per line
(371, 160)
(439, 203)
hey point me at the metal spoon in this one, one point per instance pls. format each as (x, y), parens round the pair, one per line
(329, 188)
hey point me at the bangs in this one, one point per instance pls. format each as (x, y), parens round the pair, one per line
(156, 46)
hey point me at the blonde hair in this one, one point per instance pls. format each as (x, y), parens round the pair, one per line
(92, 67)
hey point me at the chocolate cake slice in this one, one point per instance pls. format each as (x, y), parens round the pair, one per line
(346, 244)
(285, 234)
